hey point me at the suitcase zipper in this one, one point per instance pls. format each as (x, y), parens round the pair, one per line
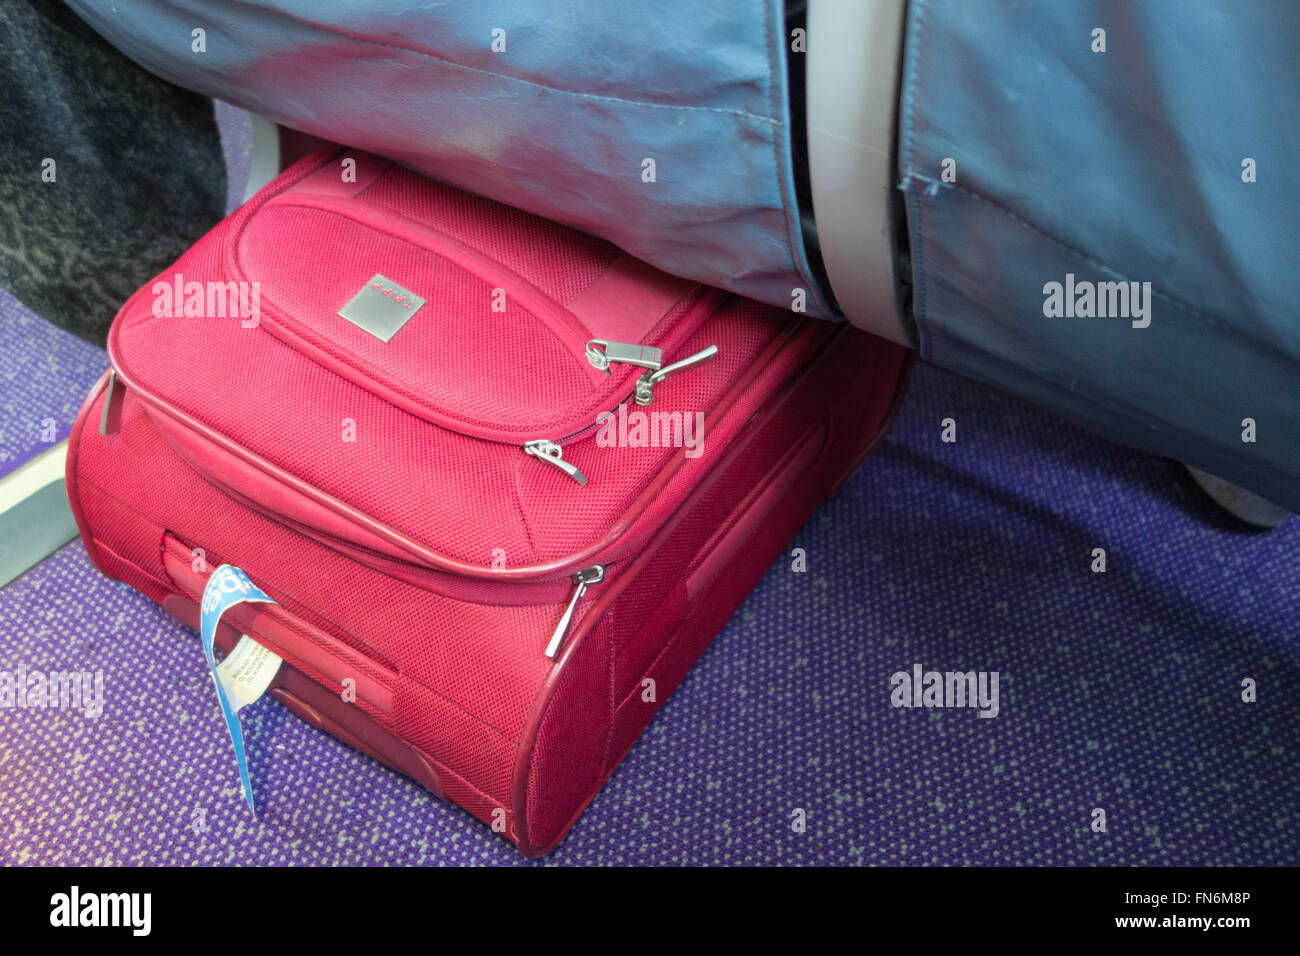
(588, 576)
(553, 455)
(646, 383)
(602, 354)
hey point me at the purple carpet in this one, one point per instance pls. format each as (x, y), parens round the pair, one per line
(1118, 690)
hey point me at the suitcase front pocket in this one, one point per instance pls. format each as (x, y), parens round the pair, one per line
(457, 338)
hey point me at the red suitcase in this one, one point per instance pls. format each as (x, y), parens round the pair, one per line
(411, 416)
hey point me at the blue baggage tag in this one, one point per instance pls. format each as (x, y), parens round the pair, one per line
(227, 587)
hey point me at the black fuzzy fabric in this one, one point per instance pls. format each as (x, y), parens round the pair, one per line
(139, 169)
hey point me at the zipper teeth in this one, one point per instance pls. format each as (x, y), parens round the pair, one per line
(596, 424)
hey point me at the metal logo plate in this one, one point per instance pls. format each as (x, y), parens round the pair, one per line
(381, 308)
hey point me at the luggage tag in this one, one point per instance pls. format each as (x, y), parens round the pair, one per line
(246, 672)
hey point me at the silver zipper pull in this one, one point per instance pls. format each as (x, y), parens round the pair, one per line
(603, 354)
(110, 417)
(592, 575)
(553, 454)
(646, 383)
